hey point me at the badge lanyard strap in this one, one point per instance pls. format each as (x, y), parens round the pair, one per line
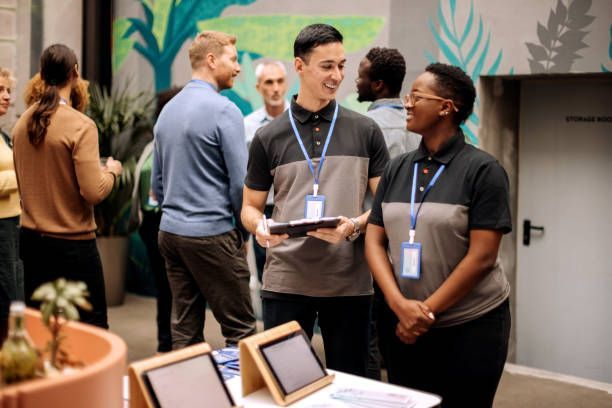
(317, 172)
(413, 216)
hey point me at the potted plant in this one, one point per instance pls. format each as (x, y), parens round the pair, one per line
(125, 124)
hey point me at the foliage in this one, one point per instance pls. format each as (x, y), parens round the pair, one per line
(561, 39)
(273, 35)
(59, 302)
(167, 25)
(464, 49)
(125, 125)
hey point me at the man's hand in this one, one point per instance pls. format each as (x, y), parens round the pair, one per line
(414, 317)
(265, 239)
(114, 166)
(334, 235)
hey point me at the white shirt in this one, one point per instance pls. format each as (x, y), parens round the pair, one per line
(255, 120)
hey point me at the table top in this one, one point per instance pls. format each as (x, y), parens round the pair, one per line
(323, 399)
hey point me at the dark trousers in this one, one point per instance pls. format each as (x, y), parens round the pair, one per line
(11, 270)
(344, 323)
(148, 231)
(208, 270)
(46, 259)
(463, 364)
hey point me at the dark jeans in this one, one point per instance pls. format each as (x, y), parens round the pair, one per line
(463, 364)
(344, 323)
(46, 259)
(148, 231)
(208, 270)
(11, 270)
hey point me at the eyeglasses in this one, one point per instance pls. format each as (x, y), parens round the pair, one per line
(413, 97)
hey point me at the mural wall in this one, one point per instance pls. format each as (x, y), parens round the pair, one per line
(484, 37)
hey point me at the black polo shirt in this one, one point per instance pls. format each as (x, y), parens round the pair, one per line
(356, 153)
(472, 192)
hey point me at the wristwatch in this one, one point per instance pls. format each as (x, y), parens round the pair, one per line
(356, 231)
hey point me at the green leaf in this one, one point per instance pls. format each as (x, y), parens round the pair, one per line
(444, 26)
(480, 63)
(448, 53)
(474, 48)
(161, 11)
(121, 45)
(468, 24)
(272, 35)
(493, 69)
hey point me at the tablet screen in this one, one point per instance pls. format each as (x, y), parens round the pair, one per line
(194, 382)
(293, 362)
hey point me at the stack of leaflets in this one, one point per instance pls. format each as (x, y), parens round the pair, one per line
(227, 361)
(355, 397)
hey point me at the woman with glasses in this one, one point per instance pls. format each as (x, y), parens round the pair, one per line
(60, 179)
(432, 244)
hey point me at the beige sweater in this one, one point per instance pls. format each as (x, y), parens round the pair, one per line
(9, 197)
(60, 180)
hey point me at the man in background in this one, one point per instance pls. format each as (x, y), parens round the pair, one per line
(199, 165)
(272, 85)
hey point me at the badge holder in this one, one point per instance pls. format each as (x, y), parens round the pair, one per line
(314, 207)
(410, 258)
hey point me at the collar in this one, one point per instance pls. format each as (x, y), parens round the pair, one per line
(303, 115)
(386, 102)
(448, 151)
(199, 83)
(265, 116)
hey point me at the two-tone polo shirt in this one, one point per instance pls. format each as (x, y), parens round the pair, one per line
(356, 153)
(471, 193)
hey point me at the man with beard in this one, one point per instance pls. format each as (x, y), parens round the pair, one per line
(199, 165)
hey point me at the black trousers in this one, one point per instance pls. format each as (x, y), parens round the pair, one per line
(11, 270)
(46, 259)
(344, 323)
(463, 364)
(148, 231)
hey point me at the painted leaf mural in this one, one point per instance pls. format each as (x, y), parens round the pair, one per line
(273, 35)
(561, 38)
(121, 45)
(467, 47)
(165, 28)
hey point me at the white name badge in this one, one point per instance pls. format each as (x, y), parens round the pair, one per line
(315, 206)
(410, 260)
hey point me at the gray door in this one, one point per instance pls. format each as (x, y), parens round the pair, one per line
(564, 277)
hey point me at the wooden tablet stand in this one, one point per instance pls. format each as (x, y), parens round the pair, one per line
(255, 372)
(139, 392)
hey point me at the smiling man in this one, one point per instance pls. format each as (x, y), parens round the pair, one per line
(317, 152)
(199, 165)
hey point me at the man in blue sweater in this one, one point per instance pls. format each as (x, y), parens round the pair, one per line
(199, 166)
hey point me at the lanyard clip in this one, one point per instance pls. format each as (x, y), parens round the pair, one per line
(412, 233)
(315, 189)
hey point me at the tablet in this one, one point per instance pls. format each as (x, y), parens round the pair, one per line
(292, 361)
(192, 382)
(299, 228)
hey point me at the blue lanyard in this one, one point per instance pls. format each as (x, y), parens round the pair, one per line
(413, 216)
(317, 172)
(388, 105)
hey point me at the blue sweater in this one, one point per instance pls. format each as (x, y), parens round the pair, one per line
(199, 163)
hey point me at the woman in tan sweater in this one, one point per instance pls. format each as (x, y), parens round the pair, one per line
(60, 179)
(11, 271)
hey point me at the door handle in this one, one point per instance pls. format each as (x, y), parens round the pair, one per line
(527, 227)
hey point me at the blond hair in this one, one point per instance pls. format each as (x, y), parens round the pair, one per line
(208, 42)
(6, 73)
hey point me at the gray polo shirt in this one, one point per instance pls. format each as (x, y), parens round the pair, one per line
(356, 153)
(471, 193)
(390, 115)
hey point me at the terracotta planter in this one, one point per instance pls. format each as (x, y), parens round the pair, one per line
(98, 385)
(114, 256)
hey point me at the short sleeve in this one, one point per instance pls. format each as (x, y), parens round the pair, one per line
(379, 154)
(258, 167)
(490, 204)
(376, 215)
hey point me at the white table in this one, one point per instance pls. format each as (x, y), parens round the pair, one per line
(322, 399)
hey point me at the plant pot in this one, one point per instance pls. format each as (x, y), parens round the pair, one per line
(114, 256)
